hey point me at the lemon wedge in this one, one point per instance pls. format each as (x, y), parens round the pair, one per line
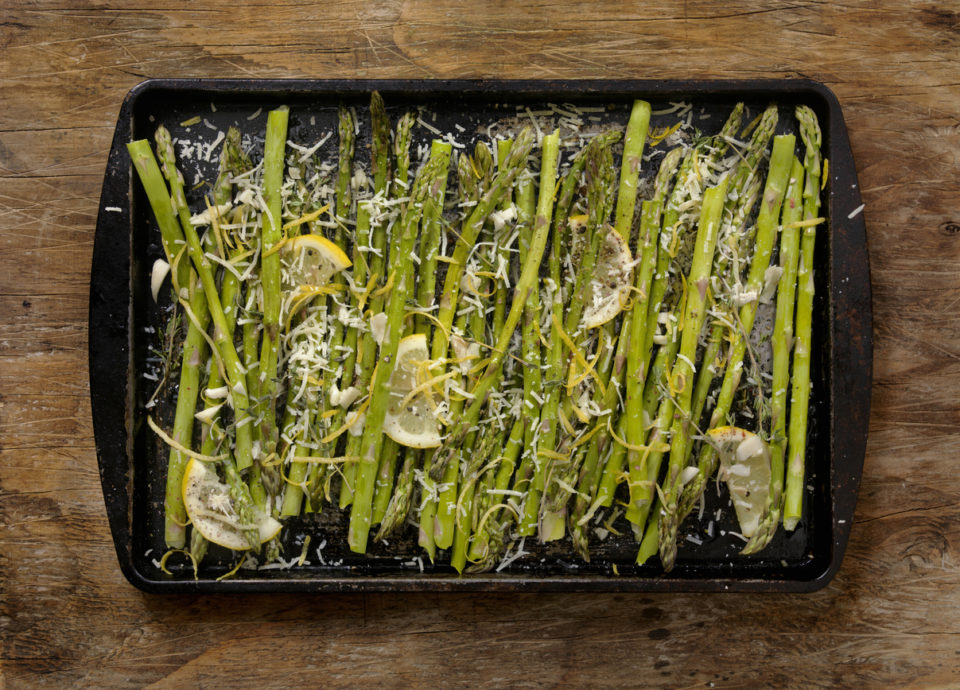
(607, 294)
(212, 511)
(745, 467)
(312, 260)
(409, 419)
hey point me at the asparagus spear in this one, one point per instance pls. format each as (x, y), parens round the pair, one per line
(430, 242)
(224, 345)
(491, 440)
(531, 476)
(670, 232)
(632, 333)
(300, 474)
(233, 161)
(502, 258)
(474, 174)
(437, 530)
(175, 516)
(340, 336)
(471, 227)
(438, 468)
(164, 212)
(601, 177)
(276, 141)
(800, 391)
(532, 354)
(527, 282)
(635, 138)
(777, 178)
(390, 455)
(489, 541)
(399, 187)
(375, 237)
(782, 337)
(372, 438)
(644, 474)
(194, 349)
(694, 314)
(745, 187)
(525, 204)
(399, 500)
(400, 184)
(529, 279)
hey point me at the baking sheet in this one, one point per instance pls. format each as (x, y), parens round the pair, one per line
(124, 324)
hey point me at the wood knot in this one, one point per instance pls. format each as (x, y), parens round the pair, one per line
(950, 227)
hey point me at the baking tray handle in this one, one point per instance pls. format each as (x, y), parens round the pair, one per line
(109, 342)
(852, 340)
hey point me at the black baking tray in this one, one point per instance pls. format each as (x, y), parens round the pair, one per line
(123, 321)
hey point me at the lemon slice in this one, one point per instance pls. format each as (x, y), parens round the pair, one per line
(409, 420)
(606, 295)
(312, 260)
(212, 512)
(745, 467)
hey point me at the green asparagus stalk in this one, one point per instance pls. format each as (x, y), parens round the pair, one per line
(531, 476)
(441, 469)
(172, 237)
(430, 242)
(634, 327)
(530, 340)
(463, 517)
(528, 281)
(673, 235)
(194, 349)
(791, 214)
(634, 140)
(273, 167)
(372, 439)
(239, 491)
(489, 542)
(524, 186)
(698, 286)
(437, 529)
(635, 137)
(344, 199)
(314, 475)
(744, 190)
(712, 361)
(400, 185)
(561, 473)
(386, 473)
(800, 390)
(502, 183)
(375, 237)
(400, 499)
(656, 389)
(481, 547)
(650, 542)
(233, 161)
(636, 358)
(601, 176)
(776, 184)
(670, 233)
(442, 523)
(227, 354)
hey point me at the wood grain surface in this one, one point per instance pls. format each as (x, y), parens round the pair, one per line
(67, 617)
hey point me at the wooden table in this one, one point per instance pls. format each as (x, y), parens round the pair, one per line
(67, 615)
